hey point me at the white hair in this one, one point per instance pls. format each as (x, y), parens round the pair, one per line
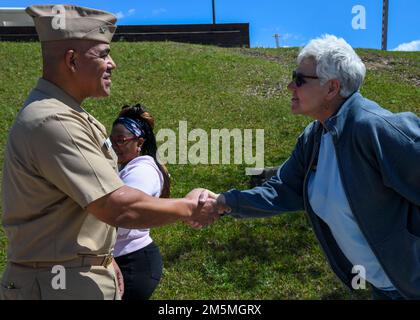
(335, 59)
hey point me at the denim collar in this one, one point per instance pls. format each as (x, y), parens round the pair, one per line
(335, 123)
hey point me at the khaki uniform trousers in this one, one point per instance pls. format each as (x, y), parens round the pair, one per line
(66, 281)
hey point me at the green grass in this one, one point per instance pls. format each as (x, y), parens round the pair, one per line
(210, 87)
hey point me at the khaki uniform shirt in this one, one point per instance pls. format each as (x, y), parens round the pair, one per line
(56, 163)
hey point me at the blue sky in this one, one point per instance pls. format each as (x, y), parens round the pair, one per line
(296, 21)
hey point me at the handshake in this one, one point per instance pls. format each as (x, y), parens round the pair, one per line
(207, 208)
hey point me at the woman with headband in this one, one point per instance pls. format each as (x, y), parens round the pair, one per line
(137, 255)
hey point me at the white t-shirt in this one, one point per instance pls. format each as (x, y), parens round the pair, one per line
(143, 174)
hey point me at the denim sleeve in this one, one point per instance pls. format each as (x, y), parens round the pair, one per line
(282, 193)
(396, 144)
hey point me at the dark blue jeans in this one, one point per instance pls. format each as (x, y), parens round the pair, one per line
(378, 294)
(142, 271)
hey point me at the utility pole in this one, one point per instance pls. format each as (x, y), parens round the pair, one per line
(214, 12)
(385, 24)
(277, 37)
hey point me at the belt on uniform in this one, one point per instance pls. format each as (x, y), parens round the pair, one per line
(81, 261)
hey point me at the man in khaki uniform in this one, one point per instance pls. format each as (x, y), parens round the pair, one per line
(61, 192)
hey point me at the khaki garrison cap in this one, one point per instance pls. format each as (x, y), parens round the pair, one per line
(63, 22)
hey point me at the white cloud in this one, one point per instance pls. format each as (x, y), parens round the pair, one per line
(122, 15)
(158, 11)
(409, 46)
(119, 15)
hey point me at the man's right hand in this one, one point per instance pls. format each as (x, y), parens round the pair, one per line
(210, 207)
(203, 212)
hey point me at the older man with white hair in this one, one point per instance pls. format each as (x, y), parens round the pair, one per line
(354, 170)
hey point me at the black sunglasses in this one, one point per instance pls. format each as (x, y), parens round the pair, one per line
(299, 78)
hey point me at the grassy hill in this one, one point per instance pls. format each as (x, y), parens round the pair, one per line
(215, 88)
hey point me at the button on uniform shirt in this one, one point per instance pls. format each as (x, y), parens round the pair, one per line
(56, 163)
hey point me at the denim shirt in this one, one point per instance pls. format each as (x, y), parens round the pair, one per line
(378, 155)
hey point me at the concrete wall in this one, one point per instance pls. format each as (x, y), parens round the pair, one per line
(224, 35)
(15, 17)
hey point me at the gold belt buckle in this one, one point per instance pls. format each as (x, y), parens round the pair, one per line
(107, 260)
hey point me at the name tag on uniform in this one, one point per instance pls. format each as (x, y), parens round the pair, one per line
(108, 144)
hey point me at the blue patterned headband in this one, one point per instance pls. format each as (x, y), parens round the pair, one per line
(132, 125)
